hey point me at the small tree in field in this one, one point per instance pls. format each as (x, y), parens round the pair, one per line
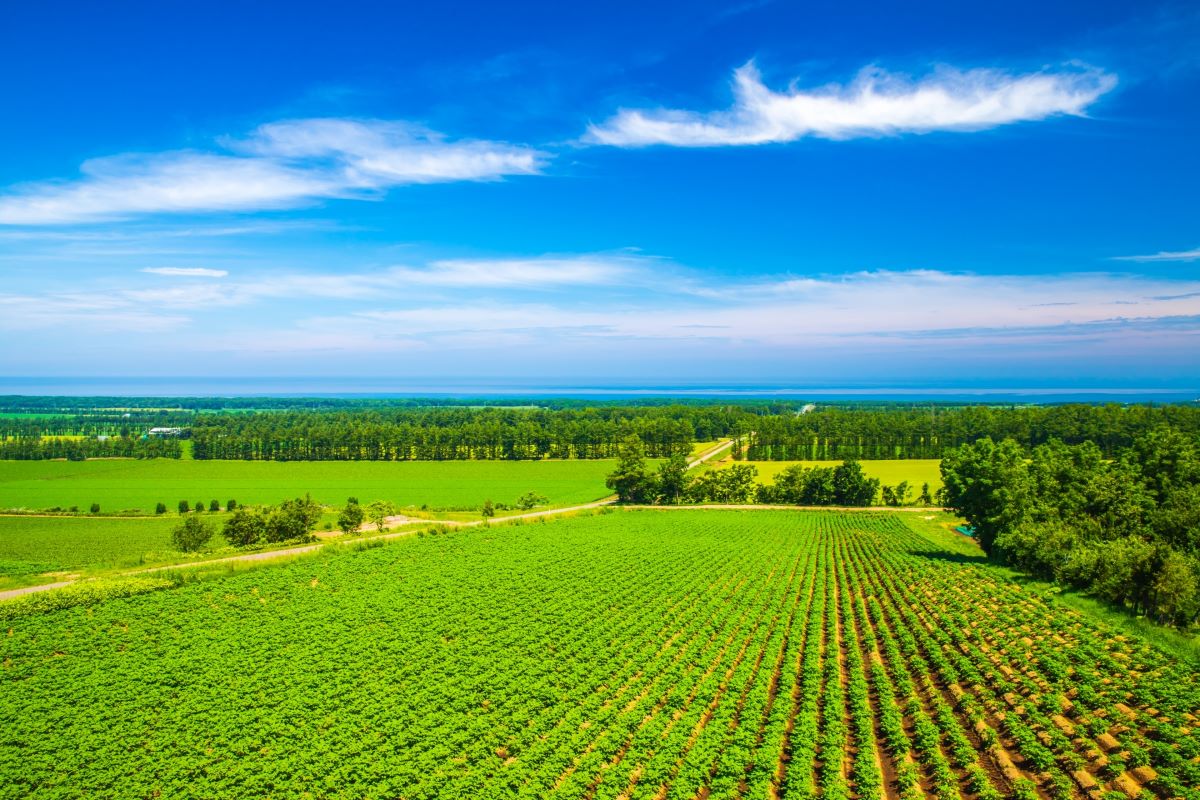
(231, 505)
(191, 534)
(213, 505)
(199, 506)
(530, 500)
(378, 512)
(161, 508)
(489, 509)
(352, 516)
(95, 508)
(925, 499)
(184, 506)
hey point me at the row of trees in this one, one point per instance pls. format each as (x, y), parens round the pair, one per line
(290, 521)
(843, 485)
(930, 431)
(1126, 528)
(404, 434)
(35, 448)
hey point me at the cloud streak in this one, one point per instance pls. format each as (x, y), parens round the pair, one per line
(187, 272)
(876, 103)
(280, 165)
(1166, 255)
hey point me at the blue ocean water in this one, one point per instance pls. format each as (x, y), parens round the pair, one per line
(173, 386)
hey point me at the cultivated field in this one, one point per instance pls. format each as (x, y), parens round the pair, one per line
(30, 546)
(654, 654)
(890, 472)
(118, 484)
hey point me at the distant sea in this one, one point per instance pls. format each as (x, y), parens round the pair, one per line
(157, 386)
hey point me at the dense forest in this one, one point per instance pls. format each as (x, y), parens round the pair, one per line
(1126, 528)
(837, 433)
(431, 429)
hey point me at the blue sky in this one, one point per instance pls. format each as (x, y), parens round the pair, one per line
(921, 194)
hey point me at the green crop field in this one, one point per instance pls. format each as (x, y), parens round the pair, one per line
(119, 484)
(652, 654)
(890, 472)
(33, 545)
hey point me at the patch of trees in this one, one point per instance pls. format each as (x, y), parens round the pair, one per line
(35, 448)
(834, 433)
(291, 520)
(843, 485)
(1126, 529)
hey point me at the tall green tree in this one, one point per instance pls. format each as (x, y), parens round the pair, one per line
(672, 479)
(351, 517)
(630, 480)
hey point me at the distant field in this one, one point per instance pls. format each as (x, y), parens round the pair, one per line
(121, 484)
(916, 470)
(32, 545)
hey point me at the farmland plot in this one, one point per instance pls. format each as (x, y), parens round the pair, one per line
(655, 654)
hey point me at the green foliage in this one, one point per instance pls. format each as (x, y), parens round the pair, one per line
(351, 517)
(184, 506)
(671, 481)
(214, 505)
(160, 508)
(245, 527)
(95, 509)
(1126, 529)
(531, 500)
(488, 510)
(84, 593)
(377, 513)
(693, 653)
(292, 520)
(734, 484)
(630, 480)
(191, 534)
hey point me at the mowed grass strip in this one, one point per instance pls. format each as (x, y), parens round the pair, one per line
(120, 484)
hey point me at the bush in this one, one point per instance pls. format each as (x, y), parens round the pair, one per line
(191, 534)
(199, 506)
(184, 507)
(352, 516)
(244, 527)
(95, 508)
(488, 510)
(231, 505)
(213, 505)
(161, 508)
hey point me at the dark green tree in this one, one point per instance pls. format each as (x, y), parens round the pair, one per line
(672, 479)
(245, 527)
(191, 534)
(629, 480)
(352, 516)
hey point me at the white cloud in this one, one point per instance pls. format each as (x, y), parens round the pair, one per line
(190, 272)
(1180, 255)
(875, 103)
(280, 165)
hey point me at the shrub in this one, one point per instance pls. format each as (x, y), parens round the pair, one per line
(95, 508)
(213, 505)
(184, 507)
(161, 508)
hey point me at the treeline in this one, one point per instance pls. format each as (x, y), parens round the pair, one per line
(843, 485)
(1126, 529)
(39, 449)
(835, 433)
(445, 434)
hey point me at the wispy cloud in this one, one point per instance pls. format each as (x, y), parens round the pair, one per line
(1166, 255)
(279, 165)
(189, 272)
(876, 103)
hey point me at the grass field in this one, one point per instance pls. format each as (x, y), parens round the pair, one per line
(654, 654)
(118, 484)
(916, 470)
(33, 545)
